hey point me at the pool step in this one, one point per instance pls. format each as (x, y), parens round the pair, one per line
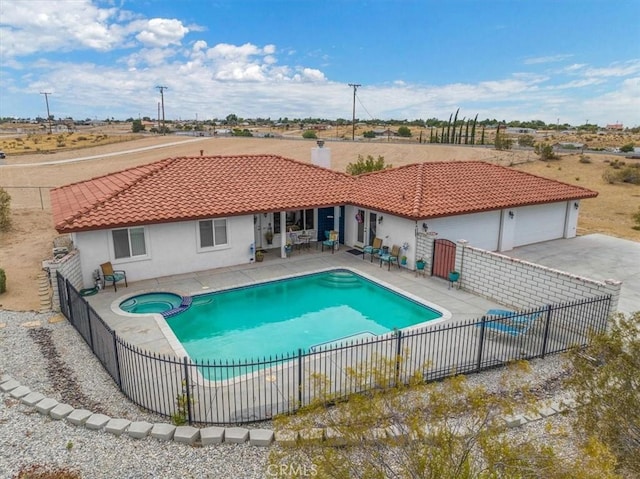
(340, 279)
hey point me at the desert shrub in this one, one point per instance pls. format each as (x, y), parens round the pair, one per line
(82, 138)
(627, 148)
(605, 381)
(584, 159)
(545, 151)
(369, 134)
(526, 140)
(310, 135)
(621, 173)
(404, 131)
(5, 210)
(3, 281)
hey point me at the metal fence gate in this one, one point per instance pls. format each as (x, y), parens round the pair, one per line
(444, 258)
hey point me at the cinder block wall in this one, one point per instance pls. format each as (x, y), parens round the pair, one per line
(521, 285)
(69, 267)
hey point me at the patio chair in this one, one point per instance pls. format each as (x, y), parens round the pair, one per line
(511, 323)
(331, 238)
(372, 249)
(391, 257)
(109, 274)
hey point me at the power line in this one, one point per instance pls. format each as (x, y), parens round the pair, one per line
(353, 118)
(46, 99)
(162, 89)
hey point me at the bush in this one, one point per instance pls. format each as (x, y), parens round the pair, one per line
(526, 140)
(3, 281)
(369, 134)
(5, 210)
(636, 218)
(627, 148)
(622, 173)
(404, 131)
(584, 159)
(545, 151)
(310, 135)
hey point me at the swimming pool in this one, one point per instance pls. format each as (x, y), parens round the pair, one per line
(279, 317)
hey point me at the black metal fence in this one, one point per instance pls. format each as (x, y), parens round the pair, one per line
(236, 392)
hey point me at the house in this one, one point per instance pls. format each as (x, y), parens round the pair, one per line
(186, 214)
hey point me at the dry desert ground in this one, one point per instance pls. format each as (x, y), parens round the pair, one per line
(30, 240)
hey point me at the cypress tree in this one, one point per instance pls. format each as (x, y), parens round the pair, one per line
(466, 133)
(473, 130)
(482, 138)
(448, 139)
(453, 133)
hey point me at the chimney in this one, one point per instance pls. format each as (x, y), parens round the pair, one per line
(321, 156)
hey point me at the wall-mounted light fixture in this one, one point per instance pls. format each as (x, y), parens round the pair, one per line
(576, 205)
(425, 227)
(265, 215)
(511, 214)
(380, 220)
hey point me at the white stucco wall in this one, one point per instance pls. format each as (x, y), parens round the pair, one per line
(172, 249)
(480, 229)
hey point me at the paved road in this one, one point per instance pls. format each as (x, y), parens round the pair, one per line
(595, 256)
(105, 155)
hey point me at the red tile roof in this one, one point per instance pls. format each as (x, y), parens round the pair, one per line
(187, 188)
(429, 190)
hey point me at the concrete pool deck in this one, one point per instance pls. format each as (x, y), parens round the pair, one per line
(150, 331)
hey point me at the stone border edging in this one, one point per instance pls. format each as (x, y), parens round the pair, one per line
(216, 434)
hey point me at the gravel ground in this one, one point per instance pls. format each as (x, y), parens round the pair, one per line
(49, 357)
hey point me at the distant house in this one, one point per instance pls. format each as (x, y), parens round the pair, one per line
(615, 127)
(521, 131)
(180, 215)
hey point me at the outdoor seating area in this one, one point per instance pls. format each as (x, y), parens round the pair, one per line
(330, 241)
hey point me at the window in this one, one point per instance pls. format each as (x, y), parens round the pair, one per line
(212, 233)
(129, 242)
(300, 220)
(276, 223)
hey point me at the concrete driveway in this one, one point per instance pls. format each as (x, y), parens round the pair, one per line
(595, 256)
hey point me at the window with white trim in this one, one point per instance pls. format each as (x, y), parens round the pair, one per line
(212, 233)
(129, 242)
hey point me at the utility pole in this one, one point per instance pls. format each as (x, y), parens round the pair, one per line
(162, 89)
(353, 118)
(46, 99)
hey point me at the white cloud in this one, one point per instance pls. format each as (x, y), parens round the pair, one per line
(547, 59)
(161, 32)
(618, 69)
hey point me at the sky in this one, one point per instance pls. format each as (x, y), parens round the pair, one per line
(559, 61)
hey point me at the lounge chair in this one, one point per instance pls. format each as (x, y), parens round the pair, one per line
(512, 323)
(109, 274)
(373, 249)
(391, 257)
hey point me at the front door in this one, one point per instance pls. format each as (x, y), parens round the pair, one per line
(366, 224)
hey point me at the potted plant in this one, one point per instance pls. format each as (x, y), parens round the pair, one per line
(454, 276)
(287, 249)
(420, 264)
(259, 256)
(403, 259)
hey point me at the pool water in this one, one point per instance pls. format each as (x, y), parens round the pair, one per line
(281, 316)
(151, 303)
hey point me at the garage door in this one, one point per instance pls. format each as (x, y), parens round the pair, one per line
(539, 223)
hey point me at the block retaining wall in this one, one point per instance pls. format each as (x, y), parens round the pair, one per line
(69, 267)
(520, 284)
